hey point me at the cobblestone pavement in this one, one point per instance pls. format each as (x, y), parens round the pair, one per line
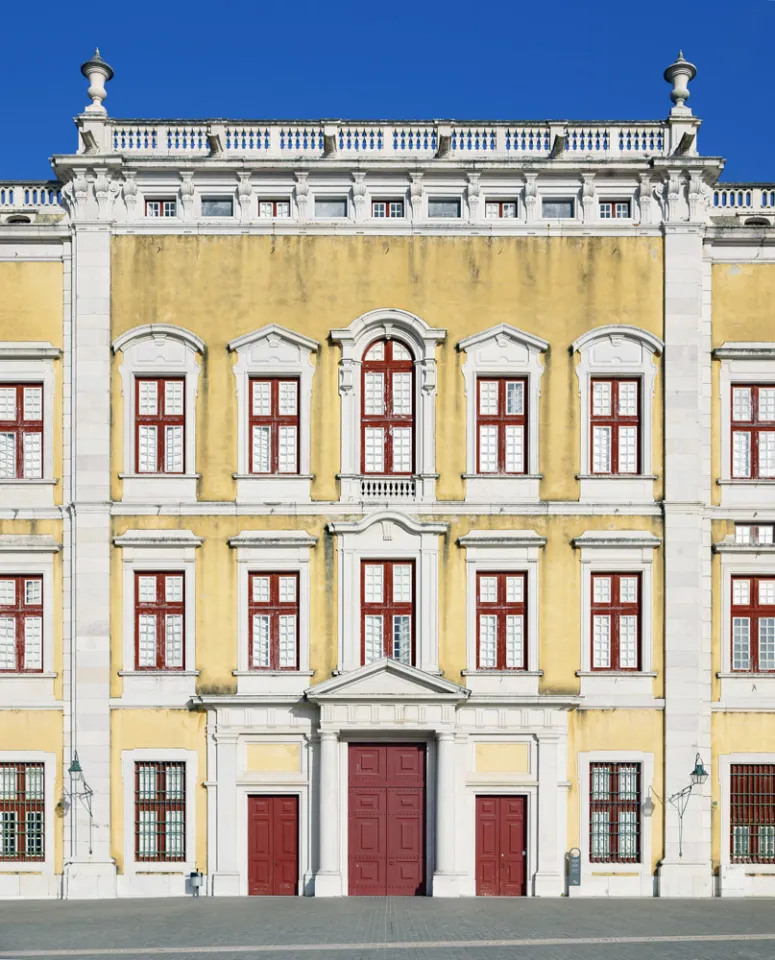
(389, 929)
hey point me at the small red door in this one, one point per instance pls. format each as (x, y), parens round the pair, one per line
(273, 846)
(386, 836)
(500, 846)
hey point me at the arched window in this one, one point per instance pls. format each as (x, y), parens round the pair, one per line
(387, 410)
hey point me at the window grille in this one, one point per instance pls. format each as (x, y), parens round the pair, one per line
(501, 620)
(160, 418)
(752, 813)
(387, 610)
(274, 426)
(160, 811)
(755, 533)
(21, 431)
(614, 812)
(22, 812)
(615, 426)
(273, 615)
(501, 425)
(753, 432)
(387, 410)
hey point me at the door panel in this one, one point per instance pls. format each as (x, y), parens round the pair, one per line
(500, 845)
(273, 846)
(386, 820)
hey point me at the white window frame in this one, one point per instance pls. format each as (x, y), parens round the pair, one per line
(616, 879)
(45, 884)
(619, 352)
(31, 555)
(273, 352)
(388, 324)
(503, 551)
(158, 551)
(176, 870)
(503, 351)
(388, 535)
(740, 879)
(744, 363)
(159, 350)
(618, 552)
(275, 551)
(32, 362)
(747, 692)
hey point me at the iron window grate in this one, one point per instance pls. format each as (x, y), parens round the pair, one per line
(160, 812)
(614, 812)
(22, 812)
(752, 813)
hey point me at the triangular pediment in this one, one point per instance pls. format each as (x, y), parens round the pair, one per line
(387, 680)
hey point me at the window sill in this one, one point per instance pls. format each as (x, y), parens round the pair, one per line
(515, 683)
(273, 488)
(159, 487)
(27, 689)
(613, 488)
(493, 487)
(157, 687)
(272, 682)
(747, 691)
(27, 493)
(747, 493)
(618, 688)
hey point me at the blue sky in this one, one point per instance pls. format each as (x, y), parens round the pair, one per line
(407, 59)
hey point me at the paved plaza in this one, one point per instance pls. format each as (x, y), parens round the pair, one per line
(388, 929)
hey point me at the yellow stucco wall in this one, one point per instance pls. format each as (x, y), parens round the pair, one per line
(158, 730)
(23, 730)
(31, 308)
(222, 287)
(508, 758)
(597, 730)
(273, 757)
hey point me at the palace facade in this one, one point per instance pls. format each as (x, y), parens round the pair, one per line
(388, 509)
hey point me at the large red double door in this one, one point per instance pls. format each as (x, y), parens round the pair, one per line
(273, 846)
(386, 813)
(500, 846)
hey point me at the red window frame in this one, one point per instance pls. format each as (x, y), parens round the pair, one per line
(160, 608)
(752, 809)
(616, 213)
(19, 427)
(389, 206)
(387, 420)
(614, 420)
(274, 608)
(388, 608)
(501, 420)
(274, 420)
(160, 420)
(755, 611)
(754, 427)
(19, 611)
(613, 805)
(501, 608)
(274, 202)
(160, 804)
(168, 207)
(500, 204)
(18, 805)
(615, 609)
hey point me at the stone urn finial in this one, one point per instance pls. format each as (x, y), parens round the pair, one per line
(97, 72)
(680, 74)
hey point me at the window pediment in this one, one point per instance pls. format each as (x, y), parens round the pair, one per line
(617, 346)
(503, 344)
(389, 680)
(273, 344)
(158, 341)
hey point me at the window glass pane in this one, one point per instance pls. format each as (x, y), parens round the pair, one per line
(287, 589)
(33, 643)
(601, 642)
(402, 450)
(628, 589)
(33, 782)
(7, 593)
(766, 453)
(146, 782)
(488, 397)
(443, 208)
(266, 208)
(33, 593)
(509, 210)
(372, 641)
(33, 403)
(601, 398)
(767, 643)
(601, 780)
(628, 449)
(374, 440)
(262, 398)
(601, 589)
(402, 638)
(628, 833)
(8, 833)
(402, 583)
(174, 781)
(146, 589)
(373, 587)
(741, 841)
(173, 589)
(741, 643)
(287, 393)
(33, 455)
(146, 640)
(287, 641)
(400, 352)
(376, 351)
(396, 208)
(379, 209)
(622, 208)
(174, 834)
(488, 641)
(599, 835)
(283, 208)
(260, 640)
(741, 404)
(767, 404)
(146, 462)
(606, 210)
(515, 448)
(34, 833)
(286, 450)
(764, 534)
(515, 589)
(7, 643)
(402, 393)
(7, 456)
(330, 207)
(7, 404)
(514, 641)
(766, 838)
(492, 211)
(515, 391)
(628, 782)
(743, 534)
(557, 209)
(741, 593)
(628, 399)
(173, 398)
(488, 449)
(628, 643)
(173, 640)
(601, 450)
(488, 589)
(767, 592)
(173, 449)
(146, 833)
(8, 789)
(217, 206)
(261, 440)
(260, 589)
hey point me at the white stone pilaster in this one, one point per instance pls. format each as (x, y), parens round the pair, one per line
(549, 878)
(226, 881)
(328, 880)
(445, 877)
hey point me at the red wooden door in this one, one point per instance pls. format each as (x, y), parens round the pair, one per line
(273, 846)
(500, 846)
(386, 835)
